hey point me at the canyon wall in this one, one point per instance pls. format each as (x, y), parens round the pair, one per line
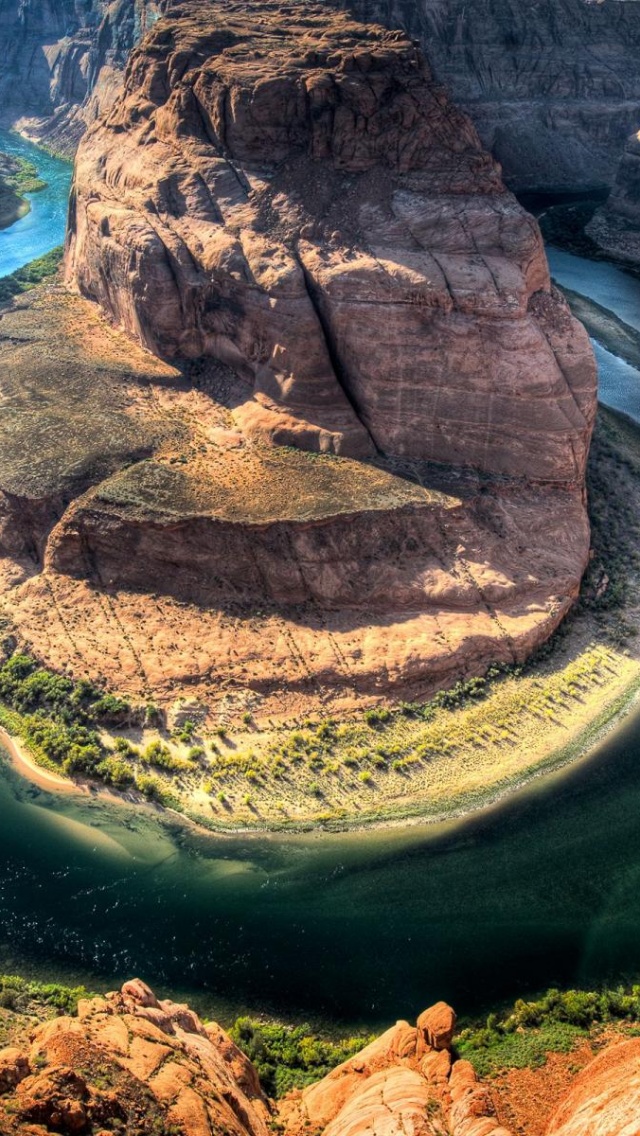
(62, 61)
(553, 88)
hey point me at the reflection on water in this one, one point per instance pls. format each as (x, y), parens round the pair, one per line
(43, 228)
(358, 927)
(599, 281)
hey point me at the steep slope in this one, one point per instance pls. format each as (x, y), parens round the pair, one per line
(56, 54)
(553, 87)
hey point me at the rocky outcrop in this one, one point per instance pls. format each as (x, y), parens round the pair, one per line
(553, 88)
(298, 199)
(604, 1099)
(152, 1066)
(615, 227)
(407, 1080)
(131, 1062)
(373, 415)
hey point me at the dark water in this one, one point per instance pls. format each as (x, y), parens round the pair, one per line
(354, 928)
(43, 228)
(357, 928)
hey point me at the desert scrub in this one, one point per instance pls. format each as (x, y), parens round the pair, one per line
(19, 994)
(288, 1057)
(522, 1036)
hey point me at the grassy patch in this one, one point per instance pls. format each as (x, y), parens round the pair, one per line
(30, 275)
(523, 1036)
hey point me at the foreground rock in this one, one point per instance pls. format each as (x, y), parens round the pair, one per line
(605, 1098)
(152, 1066)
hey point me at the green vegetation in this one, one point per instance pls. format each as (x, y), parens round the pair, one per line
(30, 275)
(19, 994)
(288, 1057)
(523, 1036)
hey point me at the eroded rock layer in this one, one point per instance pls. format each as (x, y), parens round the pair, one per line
(291, 193)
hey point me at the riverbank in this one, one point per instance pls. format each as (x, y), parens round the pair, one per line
(462, 752)
(17, 178)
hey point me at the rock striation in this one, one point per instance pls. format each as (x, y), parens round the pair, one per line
(356, 406)
(292, 194)
(604, 1099)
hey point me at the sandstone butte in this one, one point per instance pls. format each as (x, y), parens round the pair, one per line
(330, 439)
(131, 1061)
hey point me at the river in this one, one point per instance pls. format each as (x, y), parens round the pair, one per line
(43, 227)
(355, 929)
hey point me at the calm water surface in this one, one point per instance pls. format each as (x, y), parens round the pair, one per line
(358, 928)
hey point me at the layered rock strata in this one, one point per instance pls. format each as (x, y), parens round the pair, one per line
(373, 417)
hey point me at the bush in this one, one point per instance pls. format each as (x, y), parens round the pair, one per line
(288, 1057)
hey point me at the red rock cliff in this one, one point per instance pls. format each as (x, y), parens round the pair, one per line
(291, 193)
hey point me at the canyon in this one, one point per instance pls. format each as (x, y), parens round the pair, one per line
(554, 92)
(363, 394)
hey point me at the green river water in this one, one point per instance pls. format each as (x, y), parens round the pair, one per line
(355, 929)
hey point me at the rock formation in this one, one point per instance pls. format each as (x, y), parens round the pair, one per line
(299, 200)
(152, 1066)
(287, 208)
(616, 226)
(604, 1099)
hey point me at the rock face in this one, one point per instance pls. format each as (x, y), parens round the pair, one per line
(616, 226)
(373, 413)
(553, 88)
(297, 198)
(56, 54)
(605, 1098)
(152, 1066)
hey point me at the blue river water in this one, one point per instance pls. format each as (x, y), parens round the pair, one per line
(355, 928)
(42, 229)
